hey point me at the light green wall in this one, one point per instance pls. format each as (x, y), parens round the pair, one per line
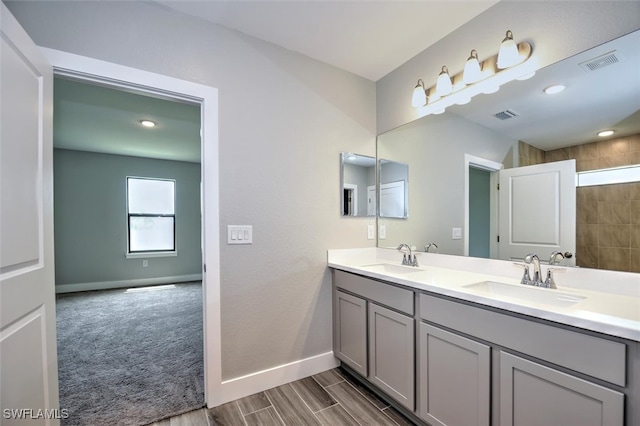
(90, 221)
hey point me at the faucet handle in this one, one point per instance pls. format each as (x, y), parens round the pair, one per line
(404, 259)
(550, 281)
(526, 278)
(414, 262)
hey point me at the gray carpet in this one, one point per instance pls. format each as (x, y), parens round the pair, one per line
(130, 358)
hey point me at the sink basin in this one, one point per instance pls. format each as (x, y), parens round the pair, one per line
(521, 292)
(391, 269)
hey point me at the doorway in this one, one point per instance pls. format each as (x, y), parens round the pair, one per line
(113, 75)
(128, 196)
(480, 206)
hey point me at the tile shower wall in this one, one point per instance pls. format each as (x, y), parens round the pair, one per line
(608, 216)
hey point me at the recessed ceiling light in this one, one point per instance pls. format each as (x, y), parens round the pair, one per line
(556, 88)
(147, 123)
(605, 133)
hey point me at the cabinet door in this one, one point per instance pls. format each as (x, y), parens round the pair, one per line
(534, 395)
(391, 354)
(350, 331)
(455, 379)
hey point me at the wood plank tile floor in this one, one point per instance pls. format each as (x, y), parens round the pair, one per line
(331, 398)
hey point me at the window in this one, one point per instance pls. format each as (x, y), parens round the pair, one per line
(151, 215)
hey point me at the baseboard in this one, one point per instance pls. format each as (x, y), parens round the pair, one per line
(106, 285)
(259, 381)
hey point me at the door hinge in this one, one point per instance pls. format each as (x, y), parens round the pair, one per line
(498, 238)
(204, 266)
(498, 187)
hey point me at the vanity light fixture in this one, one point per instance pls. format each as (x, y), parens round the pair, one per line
(419, 95)
(147, 123)
(556, 88)
(508, 55)
(472, 72)
(605, 133)
(476, 78)
(444, 85)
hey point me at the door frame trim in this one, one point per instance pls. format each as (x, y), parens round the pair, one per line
(114, 75)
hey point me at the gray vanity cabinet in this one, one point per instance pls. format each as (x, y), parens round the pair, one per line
(533, 395)
(350, 331)
(391, 354)
(455, 379)
(374, 333)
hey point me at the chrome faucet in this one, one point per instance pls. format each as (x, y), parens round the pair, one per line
(532, 259)
(428, 246)
(407, 260)
(536, 279)
(554, 257)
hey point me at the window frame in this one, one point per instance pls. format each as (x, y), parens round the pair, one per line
(150, 253)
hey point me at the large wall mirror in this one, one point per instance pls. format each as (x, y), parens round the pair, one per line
(357, 185)
(453, 161)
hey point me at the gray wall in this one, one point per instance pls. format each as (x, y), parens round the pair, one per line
(275, 294)
(555, 29)
(91, 223)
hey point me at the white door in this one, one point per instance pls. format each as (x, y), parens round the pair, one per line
(392, 200)
(371, 200)
(28, 361)
(538, 211)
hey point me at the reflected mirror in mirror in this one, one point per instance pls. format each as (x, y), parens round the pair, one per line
(521, 126)
(394, 189)
(358, 185)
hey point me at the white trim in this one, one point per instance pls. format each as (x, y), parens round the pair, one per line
(150, 254)
(89, 69)
(266, 379)
(140, 282)
(484, 164)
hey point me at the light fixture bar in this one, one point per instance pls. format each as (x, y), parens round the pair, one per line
(492, 79)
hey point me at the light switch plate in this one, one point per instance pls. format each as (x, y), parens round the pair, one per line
(371, 232)
(456, 233)
(383, 232)
(239, 234)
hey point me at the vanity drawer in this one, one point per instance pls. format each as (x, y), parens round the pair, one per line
(590, 355)
(385, 294)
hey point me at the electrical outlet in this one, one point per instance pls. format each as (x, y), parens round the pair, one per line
(383, 232)
(371, 232)
(145, 263)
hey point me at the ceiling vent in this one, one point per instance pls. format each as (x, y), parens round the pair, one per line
(601, 61)
(506, 114)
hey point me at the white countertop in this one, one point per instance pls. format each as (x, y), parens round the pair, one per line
(602, 301)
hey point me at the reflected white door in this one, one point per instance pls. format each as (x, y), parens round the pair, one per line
(392, 196)
(28, 360)
(538, 211)
(371, 200)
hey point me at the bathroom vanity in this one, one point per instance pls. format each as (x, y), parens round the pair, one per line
(459, 341)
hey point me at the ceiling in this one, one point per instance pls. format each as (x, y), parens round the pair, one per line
(366, 37)
(385, 34)
(93, 118)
